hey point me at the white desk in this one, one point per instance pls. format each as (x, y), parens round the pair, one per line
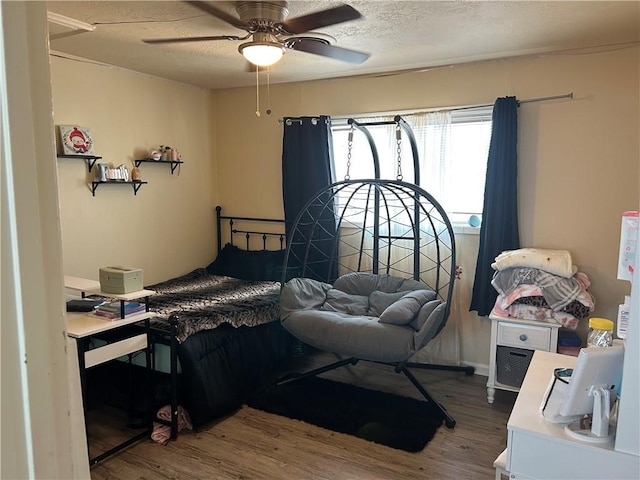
(83, 327)
(81, 284)
(84, 286)
(80, 327)
(537, 449)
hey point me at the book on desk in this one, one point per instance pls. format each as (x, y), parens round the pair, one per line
(113, 310)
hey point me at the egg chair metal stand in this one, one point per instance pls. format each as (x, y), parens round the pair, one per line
(390, 234)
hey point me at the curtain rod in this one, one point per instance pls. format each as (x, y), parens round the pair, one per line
(528, 100)
(543, 99)
(314, 119)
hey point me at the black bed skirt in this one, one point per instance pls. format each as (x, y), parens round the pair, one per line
(222, 367)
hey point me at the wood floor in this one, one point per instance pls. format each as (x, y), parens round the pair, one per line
(251, 444)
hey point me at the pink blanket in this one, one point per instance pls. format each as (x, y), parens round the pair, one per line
(533, 290)
(162, 433)
(538, 314)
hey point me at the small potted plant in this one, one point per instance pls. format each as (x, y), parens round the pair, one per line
(165, 153)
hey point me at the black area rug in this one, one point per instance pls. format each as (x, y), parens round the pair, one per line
(398, 422)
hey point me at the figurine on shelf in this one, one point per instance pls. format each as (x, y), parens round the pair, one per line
(165, 151)
(123, 173)
(155, 155)
(135, 174)
(102, 172)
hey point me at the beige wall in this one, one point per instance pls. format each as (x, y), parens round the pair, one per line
(168, 227)
(578, 159)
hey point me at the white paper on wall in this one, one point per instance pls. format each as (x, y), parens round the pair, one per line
(628, 242)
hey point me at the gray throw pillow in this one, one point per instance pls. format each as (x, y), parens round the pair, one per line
(339, 301)
(356, 283)
(389, 283)
(302, 294)
(431, 325)
(379, 301)
(425, 313)
(405, 309)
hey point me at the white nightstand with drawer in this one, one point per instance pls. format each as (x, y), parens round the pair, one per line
(513, 336)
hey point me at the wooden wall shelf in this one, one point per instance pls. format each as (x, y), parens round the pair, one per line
(136, 185)
(174, 163)
(90, 159)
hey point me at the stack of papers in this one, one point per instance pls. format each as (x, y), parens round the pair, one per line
(113, 310)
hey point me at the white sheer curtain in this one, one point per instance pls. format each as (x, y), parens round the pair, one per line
(432, 132)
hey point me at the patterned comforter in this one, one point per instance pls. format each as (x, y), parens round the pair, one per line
(202, 301)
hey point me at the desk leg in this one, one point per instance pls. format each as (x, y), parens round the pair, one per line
(82, 344)
(173, 356)
(148, 373)
(108, 453)
(78, 445)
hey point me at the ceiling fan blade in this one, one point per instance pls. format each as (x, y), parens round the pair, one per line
(323, 18)
(221, 14)
(320, 48)
(193, 39)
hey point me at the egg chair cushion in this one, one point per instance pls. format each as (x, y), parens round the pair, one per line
(367, 316)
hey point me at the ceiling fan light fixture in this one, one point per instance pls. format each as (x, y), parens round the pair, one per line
(263, 54)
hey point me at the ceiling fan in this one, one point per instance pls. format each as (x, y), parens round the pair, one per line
(272, 34)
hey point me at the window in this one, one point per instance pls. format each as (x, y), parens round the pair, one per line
(452, 150)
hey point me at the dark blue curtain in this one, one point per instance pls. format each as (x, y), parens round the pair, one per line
(307, 151)
(499, 230)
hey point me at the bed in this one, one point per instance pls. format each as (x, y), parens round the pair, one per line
(221, 322)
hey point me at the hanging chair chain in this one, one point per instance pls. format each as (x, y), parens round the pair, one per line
(349, 146)
(399, 150)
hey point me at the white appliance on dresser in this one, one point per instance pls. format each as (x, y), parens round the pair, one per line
(628, 430)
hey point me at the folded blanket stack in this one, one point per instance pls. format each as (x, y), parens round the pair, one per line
(541, 285)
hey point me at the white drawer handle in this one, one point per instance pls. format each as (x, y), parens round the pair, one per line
(523, 337)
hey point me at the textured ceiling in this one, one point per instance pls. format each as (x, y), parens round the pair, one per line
(399, 35)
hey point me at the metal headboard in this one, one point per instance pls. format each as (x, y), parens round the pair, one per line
(241, 226)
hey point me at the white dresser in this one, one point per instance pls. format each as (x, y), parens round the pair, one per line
(514, 333)
(537, 449)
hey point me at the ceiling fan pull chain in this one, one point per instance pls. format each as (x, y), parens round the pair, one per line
(257, 92)
(399, 150)
(268, 91)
